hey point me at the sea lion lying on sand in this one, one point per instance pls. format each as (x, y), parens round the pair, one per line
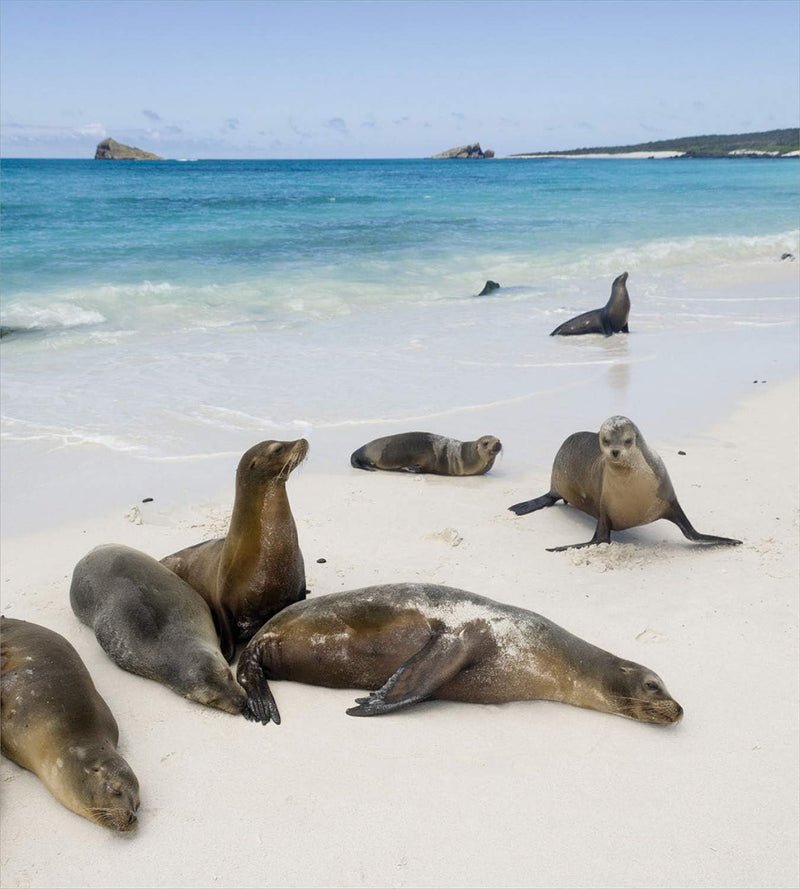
(426, 452)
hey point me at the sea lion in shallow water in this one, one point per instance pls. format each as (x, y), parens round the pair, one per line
(258, 568)
(426, 452)
(615, 477)
(612, 318)
(413, 641)
(55, 723)
(152, 623)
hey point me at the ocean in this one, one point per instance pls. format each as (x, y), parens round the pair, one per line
(181, 311)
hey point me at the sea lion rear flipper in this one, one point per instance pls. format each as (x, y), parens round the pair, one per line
(527, 506)
(679, 517)
(261, 706)
(438, 661)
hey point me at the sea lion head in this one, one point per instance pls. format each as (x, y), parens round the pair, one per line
(109, 791)
(214, 686)
(488, 446)
(618, 438)
(638, 693)
(270, 460)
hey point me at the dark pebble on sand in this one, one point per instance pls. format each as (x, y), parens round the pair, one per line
(147, 500)
(321, 561)
(682, 453)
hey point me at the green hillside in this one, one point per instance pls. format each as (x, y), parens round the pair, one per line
(780, 141)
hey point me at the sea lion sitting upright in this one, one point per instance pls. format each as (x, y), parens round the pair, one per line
(615, 477)
(257, 569)
(54, 722)
(612, 318)
(152, 623)
(414, 641)
(426, 452)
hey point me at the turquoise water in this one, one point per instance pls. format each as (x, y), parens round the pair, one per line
(91, 244)
(167, 313)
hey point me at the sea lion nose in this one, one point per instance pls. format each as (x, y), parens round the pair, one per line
(615, 452)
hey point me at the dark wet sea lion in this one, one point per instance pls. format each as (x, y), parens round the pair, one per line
(489, 287)
(612, 318)
(152, 623)
(414, 641)
(426, 452)
(615, 477)
(55, 723)
(258, 568)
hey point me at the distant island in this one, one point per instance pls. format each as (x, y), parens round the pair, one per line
(465, 151)
(771, 143)
(111, 150)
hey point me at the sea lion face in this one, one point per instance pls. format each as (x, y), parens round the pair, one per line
(110, 791)
(488, 446)
(618, 440)
(271, 459)
(220, 690)
(638, 693)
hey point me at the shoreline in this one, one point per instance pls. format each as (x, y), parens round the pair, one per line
(712, 622)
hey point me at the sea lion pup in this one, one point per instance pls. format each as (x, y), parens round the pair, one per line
(615, 477)
(414, 641)
(612, 318)
(426, 452)
(258, 568)
(55, 723)
(153, 624)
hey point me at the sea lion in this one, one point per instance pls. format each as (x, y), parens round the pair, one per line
(426, 452)
(55, 723)
(612, 318)
(257, 569)
(615, 477)
(152, 623)
(413, 641)
(489, 287)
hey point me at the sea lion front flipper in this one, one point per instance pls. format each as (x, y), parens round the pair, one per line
(261, 706)
(438, 661)
(624, 328)
(602, 534)
(679, 517)
(527, 506)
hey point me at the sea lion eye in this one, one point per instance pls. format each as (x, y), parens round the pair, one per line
(628, 442)
(606, 442)
(278, 451)
(653, 686)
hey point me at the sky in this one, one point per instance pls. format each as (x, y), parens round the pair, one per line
(389, 78)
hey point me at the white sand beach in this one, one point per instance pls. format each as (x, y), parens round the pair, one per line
(445, 794)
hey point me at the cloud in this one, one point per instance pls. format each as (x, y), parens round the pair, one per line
(151, 115)
(96, 130)
(297, 131)
(457, 115)
(401, 120)
(338, 125)
(584, 125)
(232, 123)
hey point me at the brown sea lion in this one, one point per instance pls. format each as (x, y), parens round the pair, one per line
(152, 623)
(257, 569)
(413, 641)
(612, 318)
(426, 452)
(55, 723)
(615, 477)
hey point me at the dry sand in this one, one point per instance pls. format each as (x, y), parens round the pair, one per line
(446, 794)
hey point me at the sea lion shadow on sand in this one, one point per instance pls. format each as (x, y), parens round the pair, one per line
(611, 318)
(414, 641)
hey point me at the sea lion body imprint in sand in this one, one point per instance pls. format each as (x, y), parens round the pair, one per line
(55, 723)
(426, 452)
(258, 568)
(612, 318)
(614, 477)
(414, 641)
(152, 623)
